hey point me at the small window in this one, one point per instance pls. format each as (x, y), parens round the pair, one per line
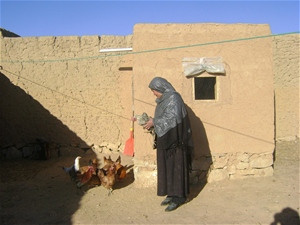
(205, 88)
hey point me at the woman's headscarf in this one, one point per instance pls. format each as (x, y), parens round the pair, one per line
(170, 109)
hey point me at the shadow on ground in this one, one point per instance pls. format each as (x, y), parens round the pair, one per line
(33, 191)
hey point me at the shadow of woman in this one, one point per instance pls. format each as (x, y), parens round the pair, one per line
(202, 159)
(287, 216)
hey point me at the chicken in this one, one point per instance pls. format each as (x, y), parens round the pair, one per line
(142, 120)
(74, 169)
(87, 173)
(111, 172)
(94, 181)
(120, 169)
(108, 162)
(108, 178)
(92, 163)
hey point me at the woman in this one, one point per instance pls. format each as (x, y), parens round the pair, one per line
(173, 143)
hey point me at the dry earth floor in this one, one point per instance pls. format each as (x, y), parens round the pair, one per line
(38, 192)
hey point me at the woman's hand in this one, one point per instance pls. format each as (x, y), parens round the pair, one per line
(149, 124)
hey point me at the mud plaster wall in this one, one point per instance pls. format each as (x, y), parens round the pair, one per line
(63, 90)
(235, 132)
(286, 84)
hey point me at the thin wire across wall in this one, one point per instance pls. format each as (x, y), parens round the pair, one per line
(145, 51)
(121, 54)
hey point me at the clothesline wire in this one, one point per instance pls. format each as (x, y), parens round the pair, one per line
(121, 54)
(105, 55)
(120, 116)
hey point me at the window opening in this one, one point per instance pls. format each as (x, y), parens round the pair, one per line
(205, 88)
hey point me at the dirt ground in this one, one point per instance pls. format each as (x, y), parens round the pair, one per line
(39, 192)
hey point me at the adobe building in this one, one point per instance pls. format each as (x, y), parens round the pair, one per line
(71, 94)
(233, 130)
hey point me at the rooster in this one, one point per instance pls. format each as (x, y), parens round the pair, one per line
(108, 178)
(74, 169)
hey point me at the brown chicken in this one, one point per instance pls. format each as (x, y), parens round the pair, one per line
(88, 174)
(108, 162)
(120, 169)
(92, 163)
(108, 178)
(93, 181)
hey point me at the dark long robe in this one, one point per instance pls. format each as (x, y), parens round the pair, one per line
(174, 161)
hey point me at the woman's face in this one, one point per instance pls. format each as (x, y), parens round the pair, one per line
(156, 93)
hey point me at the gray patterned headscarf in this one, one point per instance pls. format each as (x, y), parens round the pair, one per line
(170, 109)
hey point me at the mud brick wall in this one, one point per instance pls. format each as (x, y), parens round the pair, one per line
(62, 90)
(286, 84)
(239, 120)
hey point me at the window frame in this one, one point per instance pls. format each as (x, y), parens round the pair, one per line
(215, 88)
